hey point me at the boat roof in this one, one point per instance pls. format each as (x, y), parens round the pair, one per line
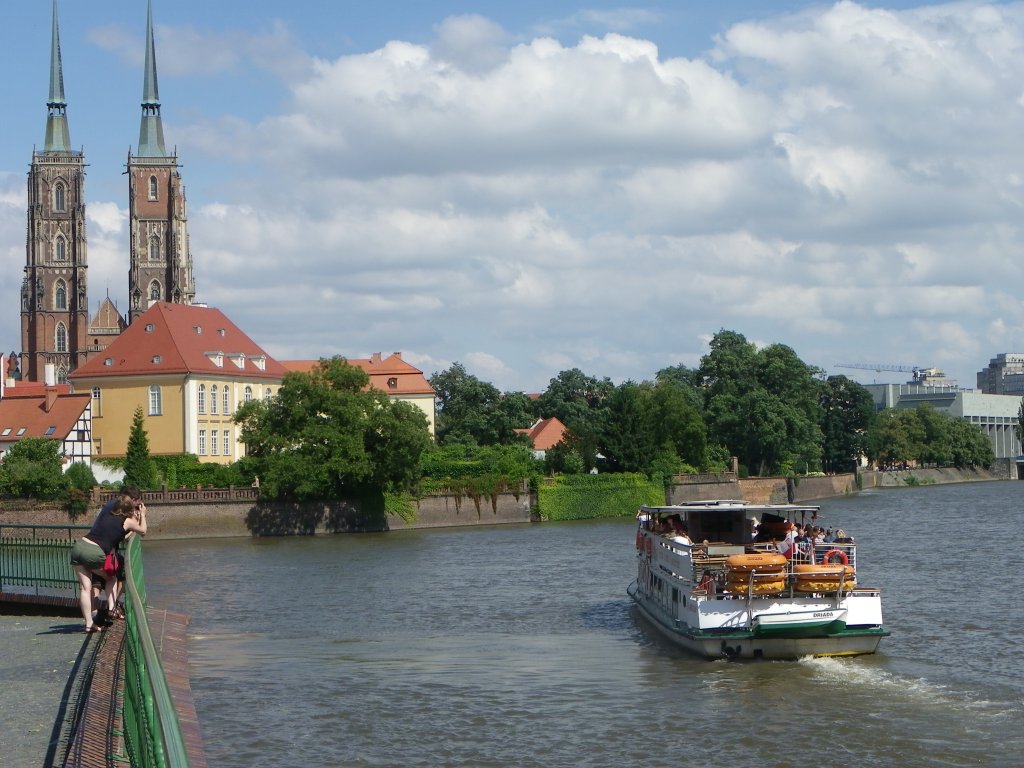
(728, 505)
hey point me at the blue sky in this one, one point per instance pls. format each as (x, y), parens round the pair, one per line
(529, 187)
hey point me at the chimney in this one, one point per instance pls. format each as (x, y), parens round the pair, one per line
(49, 375)
(398, 355)
(51, 398)
(375, 358)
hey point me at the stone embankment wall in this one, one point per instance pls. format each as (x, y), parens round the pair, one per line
(217, 518)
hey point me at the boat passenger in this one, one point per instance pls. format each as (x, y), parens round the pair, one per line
(842, 538)
(829, 536)
(682, 536)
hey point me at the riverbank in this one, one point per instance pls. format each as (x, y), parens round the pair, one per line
(221, 516)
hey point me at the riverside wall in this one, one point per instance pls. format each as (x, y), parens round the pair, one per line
(219, 518)
(221, 513)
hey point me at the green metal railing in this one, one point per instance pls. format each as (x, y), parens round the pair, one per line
(34, 559)
(151, 728)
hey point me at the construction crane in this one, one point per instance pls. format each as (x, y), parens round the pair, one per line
(916, 371)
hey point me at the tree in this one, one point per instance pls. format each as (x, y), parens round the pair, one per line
(580, 402)
(848, 411)
(138, 467)
(1018, 428)
(32, 469)
(327, 436)
(475, 412)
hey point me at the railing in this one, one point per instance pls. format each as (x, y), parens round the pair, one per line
(152, 732)
(172, 495)
(34, 559)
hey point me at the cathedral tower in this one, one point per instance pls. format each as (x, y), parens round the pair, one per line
(54, 303)
(160, 266)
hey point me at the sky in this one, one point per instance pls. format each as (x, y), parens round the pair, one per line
(531, 187)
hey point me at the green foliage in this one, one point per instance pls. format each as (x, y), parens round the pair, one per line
(584, 497)
(138, 467)
(474, 412)
(926, 437)
(473, 471)
(327, 436)
(580, 402)
(185, 470)
(80, 482)
(33, 468)
(563, 459)
(762, 405)
(848, 413)
(400, 504)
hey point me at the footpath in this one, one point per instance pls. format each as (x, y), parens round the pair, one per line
(43, 660)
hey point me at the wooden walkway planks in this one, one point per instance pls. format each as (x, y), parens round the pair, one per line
(98, 740)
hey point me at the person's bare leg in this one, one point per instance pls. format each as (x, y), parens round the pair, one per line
(84, 594)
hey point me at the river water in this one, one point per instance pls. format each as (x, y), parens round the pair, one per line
(517, 646)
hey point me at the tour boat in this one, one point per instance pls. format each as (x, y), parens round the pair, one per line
(743, 590)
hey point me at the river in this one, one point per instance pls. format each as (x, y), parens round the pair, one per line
(517, 646)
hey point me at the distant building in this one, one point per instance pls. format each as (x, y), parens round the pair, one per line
(392, 375)
(995, 415)
(544, 435)
(189, 368)
(1004, 375)
(46, 410)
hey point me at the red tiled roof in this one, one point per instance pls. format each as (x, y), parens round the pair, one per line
(29, 412)
(545, 433)
(409, 380)
(182, 338)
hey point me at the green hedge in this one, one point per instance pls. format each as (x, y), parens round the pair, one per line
(584, 497)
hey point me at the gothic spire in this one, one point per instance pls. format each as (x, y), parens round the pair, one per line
(151, 131)
(58, 139)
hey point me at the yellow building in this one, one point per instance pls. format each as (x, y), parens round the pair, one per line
(189, 368)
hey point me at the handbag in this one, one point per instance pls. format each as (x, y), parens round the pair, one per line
(110, 563)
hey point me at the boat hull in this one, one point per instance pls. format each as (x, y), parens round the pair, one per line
(778, 643)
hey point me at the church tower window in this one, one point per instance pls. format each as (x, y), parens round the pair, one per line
(59, 197)
(60, 297)
(153, 190)
(60, 249)
(154, 291)
(154, 248)
(61, 338)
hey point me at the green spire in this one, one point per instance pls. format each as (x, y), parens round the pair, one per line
(58, 139)
(151, 131)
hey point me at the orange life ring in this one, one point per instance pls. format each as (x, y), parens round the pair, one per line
(843, 557)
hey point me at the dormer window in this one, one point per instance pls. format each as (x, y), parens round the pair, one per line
(393, 383)
(260, 361)
(150, 327)
(238, 358)
(108, 361)
(157, 359)
(153, 189)
(217, 358)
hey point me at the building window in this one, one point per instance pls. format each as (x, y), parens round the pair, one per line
(6, 432)
(202, 442)
(201, 400)
(49, 431)
(60, 299)
(153, 189)
(154, 291)
(226, 409)
(213, 442)
(227, 442)
(213, 400)
(155, 401)
(59, 201)
(61, 338)
(96, 393)
(393, 383)
(154, 248)
(62, 375)
(60, 250)
(266, 394)
(248, 393)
